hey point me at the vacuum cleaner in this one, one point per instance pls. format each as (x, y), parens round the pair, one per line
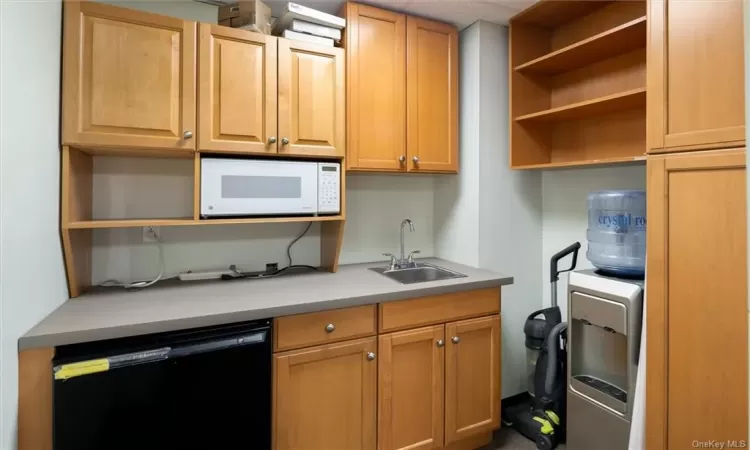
(542, 417)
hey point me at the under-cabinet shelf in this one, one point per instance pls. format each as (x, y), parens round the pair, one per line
(635, 160)
(622, 101)
(130, 223)
(622, 39)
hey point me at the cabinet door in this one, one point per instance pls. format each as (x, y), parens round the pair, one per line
(128, 78)
(311, 99)
(325, 396)
(376, 88)
(697, 299)
(472, 378)
(410, 389)
(696, 75)
(237, 95)
(432, 96)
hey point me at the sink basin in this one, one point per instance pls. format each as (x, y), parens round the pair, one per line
(421, 273)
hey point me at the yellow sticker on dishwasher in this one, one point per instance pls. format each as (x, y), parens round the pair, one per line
(67, 371)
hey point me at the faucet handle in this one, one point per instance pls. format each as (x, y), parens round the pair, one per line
(393, 260)
(410, 260)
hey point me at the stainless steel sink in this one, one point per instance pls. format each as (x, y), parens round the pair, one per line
(420, 273)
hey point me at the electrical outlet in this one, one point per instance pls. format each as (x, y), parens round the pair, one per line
(272, 267)
(151, 234)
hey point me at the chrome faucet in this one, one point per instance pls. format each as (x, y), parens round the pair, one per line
(405, 262)
(402, 261)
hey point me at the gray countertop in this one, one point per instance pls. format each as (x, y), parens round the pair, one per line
(120, 313)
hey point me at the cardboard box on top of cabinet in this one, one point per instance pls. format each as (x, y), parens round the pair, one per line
(253, 15)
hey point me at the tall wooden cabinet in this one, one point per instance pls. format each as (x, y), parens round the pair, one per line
(128, 78)
(402, 77)
(696, 75)
(697, 299)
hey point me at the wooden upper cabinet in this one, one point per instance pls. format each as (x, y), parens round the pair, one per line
(410, 389)
(128, 78)
(432, 96)
(697, 299)
(472, 377)
(311, 89)
(696, 75)
(237, 94)
(325, 397)
(376, 88)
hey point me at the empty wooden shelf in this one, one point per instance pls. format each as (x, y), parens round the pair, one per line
(590, 108)
(622, 39)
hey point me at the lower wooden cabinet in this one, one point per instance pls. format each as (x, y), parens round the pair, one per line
(435, 385)
(696, 317)
(410, 389)
(325, 397)
(472, 378)
(439, 385)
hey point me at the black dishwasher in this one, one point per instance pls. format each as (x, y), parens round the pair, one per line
(201, 389)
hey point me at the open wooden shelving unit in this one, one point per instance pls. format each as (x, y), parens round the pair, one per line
(578, 84)
(78, 223)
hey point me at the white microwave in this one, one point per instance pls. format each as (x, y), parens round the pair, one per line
(255, 187)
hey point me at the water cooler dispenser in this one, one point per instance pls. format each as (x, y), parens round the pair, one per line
(604, 330)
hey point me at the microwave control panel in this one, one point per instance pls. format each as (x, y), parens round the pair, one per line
(329, 188)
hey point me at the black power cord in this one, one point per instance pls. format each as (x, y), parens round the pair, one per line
(280, 271)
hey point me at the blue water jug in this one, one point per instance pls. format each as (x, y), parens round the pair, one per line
(617, 232)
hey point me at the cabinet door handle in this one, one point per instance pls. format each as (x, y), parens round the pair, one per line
(370, 356)
(272, 140)
(187, 134)
(284, 141)
(455, 339)
(440, 342)
(402, 159)
(415, 159)
(330, 328)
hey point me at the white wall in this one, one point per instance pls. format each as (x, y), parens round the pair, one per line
(32, 277)
(456, 197)
(490, 216)
(139, 188)
(565, 214)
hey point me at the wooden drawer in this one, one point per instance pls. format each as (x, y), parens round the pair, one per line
(438, 309)
(304, 330)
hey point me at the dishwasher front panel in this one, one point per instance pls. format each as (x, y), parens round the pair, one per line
(208, 391)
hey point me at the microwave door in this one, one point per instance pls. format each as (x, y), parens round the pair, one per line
(231, 187)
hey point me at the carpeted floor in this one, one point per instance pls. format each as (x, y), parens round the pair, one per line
(507, 438)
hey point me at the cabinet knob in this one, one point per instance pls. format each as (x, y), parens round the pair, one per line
(440, 342)
(415, 159)
(272, 140)
(455, 339)
(187, 134)
(370, 356)
(284, 141)
(330, 328)
(401, 159)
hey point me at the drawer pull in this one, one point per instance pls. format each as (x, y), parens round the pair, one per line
(330, 328)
